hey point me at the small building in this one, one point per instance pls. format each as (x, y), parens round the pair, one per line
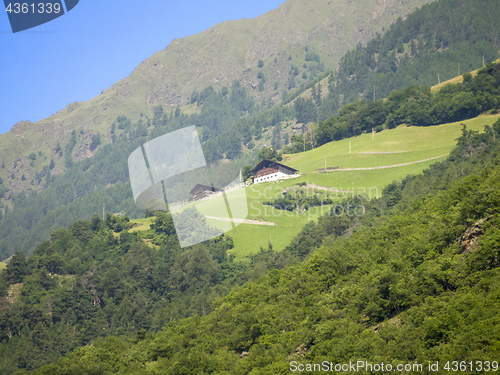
(268, 170)
(203, 191)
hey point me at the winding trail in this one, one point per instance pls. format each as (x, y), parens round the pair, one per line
(243, 221)
(380, 167)
(382, 152)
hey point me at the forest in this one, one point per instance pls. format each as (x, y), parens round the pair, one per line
(430, 46)
(96, 279)
(447, 38)
(409, 282)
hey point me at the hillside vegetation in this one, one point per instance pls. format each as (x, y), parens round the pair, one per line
(447, 38)
(105, 277)
(389, 156)
(455, 80)
(414, 105)
(99, 278)
(408, 283)
(303, 64)
(385, 249)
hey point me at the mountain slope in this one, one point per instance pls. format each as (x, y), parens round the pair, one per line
(232, 49)
(102, 180)
(226, 52)
(409, 283)
(437, 42)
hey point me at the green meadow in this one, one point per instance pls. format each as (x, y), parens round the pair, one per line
(141, 224)
(412, 146)
(401, 145)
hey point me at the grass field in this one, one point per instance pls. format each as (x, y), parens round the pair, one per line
(418, 143)
(405, 144)
(140, 224)
(389, 147)
(457, 79)
(3, 265)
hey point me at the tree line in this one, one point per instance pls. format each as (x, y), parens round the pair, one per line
(416, 106)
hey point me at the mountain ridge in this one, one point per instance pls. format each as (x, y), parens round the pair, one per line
(170, 75)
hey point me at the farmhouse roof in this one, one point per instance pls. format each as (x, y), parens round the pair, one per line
(267, 163)
(199, 188)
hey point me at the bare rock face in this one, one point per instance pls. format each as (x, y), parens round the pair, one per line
(470, 238)
(231, 50)
(300, 352)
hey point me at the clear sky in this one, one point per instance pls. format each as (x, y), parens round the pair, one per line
(99, 42)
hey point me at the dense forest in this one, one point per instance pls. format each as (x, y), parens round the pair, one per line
(409, 282)
(435, 43)
(96, 279)
(102, 180)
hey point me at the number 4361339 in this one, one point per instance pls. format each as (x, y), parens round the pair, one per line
(33, 8)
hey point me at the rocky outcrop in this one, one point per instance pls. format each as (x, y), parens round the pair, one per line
(470, 238)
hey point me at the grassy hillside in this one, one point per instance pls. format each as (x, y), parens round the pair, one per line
(420, 142)
(92, 183)
(389, 147)
(294, 50)
(401, 145)
(457, 79)
(140, 224)
(102, 179)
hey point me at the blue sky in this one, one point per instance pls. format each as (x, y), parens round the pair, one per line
(76, 56)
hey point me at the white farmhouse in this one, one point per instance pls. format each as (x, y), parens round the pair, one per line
(268, 170)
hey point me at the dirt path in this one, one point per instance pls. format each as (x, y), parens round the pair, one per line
(381, 167)
(243, 221)
(382, 152)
